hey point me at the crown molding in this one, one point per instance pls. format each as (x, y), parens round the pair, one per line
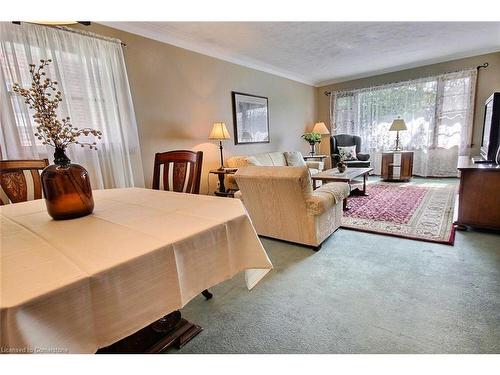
(234, 58)
(419, 64)
(211, 52)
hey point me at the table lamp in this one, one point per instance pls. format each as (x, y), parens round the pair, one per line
(219, 132)
(397, 126)
(320, 128)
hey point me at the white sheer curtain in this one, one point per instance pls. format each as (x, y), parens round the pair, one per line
(93, 79)
(438, 112)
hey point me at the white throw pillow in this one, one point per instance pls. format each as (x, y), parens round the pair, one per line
(252, 160)
(294, 159)
(347, 153)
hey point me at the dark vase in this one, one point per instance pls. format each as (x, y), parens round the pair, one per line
(66, 188)
(313, 148)
(341, 167)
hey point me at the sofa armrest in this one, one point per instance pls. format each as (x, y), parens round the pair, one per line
(231, 182)
(238, 195)
(319, 165)
(363, 157)
(326, 197)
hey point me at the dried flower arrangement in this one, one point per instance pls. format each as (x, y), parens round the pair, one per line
(55, 133)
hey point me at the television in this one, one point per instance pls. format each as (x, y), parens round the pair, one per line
(491, 129)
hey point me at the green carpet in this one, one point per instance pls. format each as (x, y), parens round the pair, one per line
(361, 293)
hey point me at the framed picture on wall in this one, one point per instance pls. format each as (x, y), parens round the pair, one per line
(250, 118)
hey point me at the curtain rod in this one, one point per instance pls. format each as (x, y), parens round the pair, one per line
(91, 34)
(80, 32)
(482, 66)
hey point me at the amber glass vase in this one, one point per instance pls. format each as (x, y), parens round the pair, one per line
(66, 188)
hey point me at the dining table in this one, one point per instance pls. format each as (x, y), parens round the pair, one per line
(76, 286)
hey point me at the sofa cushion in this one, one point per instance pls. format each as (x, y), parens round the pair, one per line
(347, 153)
(237, 161)
(252, 160)
(242, 161)
(277, 159)
(264, 159)
(268, 159)
(294, 159)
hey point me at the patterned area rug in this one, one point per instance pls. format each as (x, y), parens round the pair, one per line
(418, 211)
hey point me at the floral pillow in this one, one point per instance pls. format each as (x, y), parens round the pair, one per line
(347, 153)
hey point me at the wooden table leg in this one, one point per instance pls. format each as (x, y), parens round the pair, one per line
(170, 331)
(362, 192)
(207, 294)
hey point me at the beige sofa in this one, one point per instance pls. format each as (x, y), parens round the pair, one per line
(283, 205)
(271, 159)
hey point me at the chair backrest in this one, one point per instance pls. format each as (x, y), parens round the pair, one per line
(275, 198)
(344, 140)
(20, 180)
(181, 171)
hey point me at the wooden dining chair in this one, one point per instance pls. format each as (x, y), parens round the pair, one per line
(20, 180)
(181, 171)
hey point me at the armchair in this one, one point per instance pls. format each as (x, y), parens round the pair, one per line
(349, 140)
(283, 205)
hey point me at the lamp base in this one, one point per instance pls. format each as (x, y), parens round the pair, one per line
(398, 148)
(221, 168)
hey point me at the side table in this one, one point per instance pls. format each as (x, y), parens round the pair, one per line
(315, 157)
(221, 173)
(397, 165)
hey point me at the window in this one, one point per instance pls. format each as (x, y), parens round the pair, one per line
(92, 77)
(73, 95)
(437, 111)
(454, 112)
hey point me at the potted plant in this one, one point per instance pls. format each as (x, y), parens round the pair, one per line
(66, 186)
(312, 138)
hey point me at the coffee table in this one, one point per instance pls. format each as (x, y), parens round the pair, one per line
(349, 176)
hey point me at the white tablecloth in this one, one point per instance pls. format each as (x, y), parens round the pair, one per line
(79, 285)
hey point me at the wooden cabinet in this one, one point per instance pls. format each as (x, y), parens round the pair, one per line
(397, 165)
(478, 196)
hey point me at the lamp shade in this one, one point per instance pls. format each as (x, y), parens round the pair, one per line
(320, 128)
(397, 125)
(219, 131)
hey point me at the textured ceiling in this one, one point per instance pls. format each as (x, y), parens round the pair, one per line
(319, 53)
